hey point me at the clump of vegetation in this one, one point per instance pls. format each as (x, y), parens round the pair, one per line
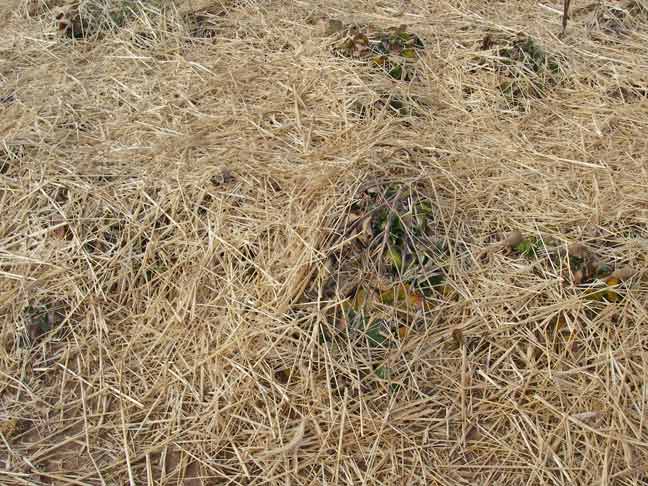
(529, 70)
(92, 18)
(580, 265)
(202, 19)
(390, 105)
(394, 50)
(388, 273)
(594, 276)
(530, 247)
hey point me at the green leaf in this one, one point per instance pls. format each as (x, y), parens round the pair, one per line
(576, 262)
(408, 53)
(529, 247)
(396, 230)
(380, 221)
(428, 284)
(422, 212)
(382, 373)
(396, 72)
(397, 105)
(395, 259)
(404, 36)
(417, 43)
(425, 208)
(603, 270)
(360, 299)
(379, 60)
(375, 336)
(44, 323)
(553, 67)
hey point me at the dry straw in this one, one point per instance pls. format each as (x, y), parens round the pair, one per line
(178, 192)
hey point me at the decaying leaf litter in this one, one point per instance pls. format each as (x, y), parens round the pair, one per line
(236, 247)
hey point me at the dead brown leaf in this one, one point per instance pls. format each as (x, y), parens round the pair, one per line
(624, 273)
(506, 245)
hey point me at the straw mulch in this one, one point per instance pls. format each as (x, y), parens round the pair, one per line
(237, 248)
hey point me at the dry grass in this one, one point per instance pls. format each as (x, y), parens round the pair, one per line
(179, 224)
